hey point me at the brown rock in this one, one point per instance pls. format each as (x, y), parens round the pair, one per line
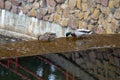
(60, 1)
(86, 14)
(83, 24)
(64, 22)
(84, 6)
(57, 18)
(81, 15)
(79, 4)
(64, 6)
(2, 4)
(32, 13)
(111, 4)
(73, 22)
(72, 4)
(96, 14)
(104, 2)
(16, 2)
(66, 14)
(51, 3)
(35, 5)
(8, 5)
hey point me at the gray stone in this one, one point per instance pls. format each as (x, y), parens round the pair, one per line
(15, 9)
(72, 4)
(60, 1)
(51, 3)
(2, 4)
(16, 2)
(8, 5)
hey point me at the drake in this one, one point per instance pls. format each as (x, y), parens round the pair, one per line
(48, 36)
(79, 33)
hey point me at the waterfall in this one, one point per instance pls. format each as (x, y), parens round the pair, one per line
(21, 25)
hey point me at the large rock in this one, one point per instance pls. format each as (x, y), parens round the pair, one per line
(43, 11)
(81, 15)
(84, 6)
(51, 3)
(8, 5)
(39, 15)
(73, 22)
(51, 10)
(96, 14)
(36, 5)
(64, 22)
(86, 14)
(42, 3)
(60, 1)
(104, 2)
(15, 9)
(2, 4)
(32, 13)
(83, 24)
(111, 4)
(57, 18)
(79, 4)
(72, 4)
(117, 14)
(16, 2)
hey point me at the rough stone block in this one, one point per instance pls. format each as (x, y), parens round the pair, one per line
(104, 2)
(117, 14)
(16, 2)
(2, 4)
(73, 22)
(72, 4)
(57, 18)
(36, 5)
(96, 14)
(64, 22)
(60, 1)
(111, 4)
(51, 3)
(8, 5)
(84, 6)
(32, 13)
(79, 4)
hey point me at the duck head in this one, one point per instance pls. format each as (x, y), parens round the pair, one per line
(68, 33)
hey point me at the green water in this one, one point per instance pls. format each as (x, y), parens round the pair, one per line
(41, 68)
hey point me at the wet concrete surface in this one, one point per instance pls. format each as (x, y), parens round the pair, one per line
(59, 45)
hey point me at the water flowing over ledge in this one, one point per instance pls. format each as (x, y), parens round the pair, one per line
(59, 45)
(20, 25)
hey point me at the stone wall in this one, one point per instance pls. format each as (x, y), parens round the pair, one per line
(101, 16)
(104, 64)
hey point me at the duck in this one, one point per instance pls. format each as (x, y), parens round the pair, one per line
(48, 36)
(79, 33)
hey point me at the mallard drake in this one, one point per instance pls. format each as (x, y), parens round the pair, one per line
(48, 36)
(79, 33)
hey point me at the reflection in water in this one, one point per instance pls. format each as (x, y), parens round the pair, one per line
(41, 68)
